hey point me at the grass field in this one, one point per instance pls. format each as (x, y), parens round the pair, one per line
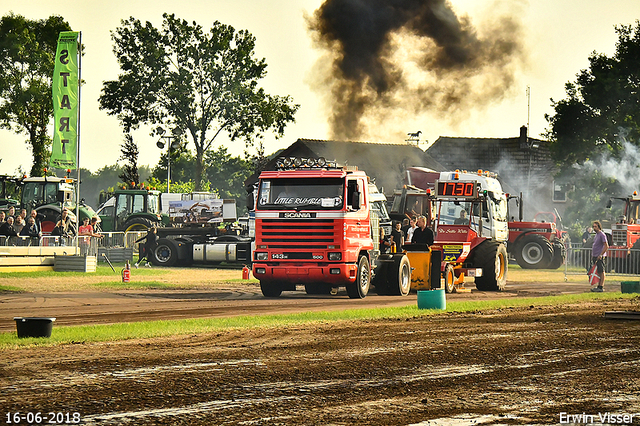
(104, 279)
(151, 329)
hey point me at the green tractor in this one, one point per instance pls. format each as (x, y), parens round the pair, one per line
(48, 196)
(132, 210)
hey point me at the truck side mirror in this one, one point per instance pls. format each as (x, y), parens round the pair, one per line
(250, 201)
(609, 203)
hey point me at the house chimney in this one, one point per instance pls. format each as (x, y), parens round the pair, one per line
(524, 140)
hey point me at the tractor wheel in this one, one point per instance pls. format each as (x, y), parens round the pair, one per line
(399, 276)
(534, 252)
(270, 289)
(138, 224)
(559, 255)
(491, 256)
(379, 280)
(360, 288)
(165, 253)
(49, 217)
(449, 277)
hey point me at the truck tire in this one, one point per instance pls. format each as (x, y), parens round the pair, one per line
(449, 278)
(399, 276)
(559, 255)
(491, 256)
(270, 289)
(49, 217)
(534, 252)
(360, 288)
(165, 253)
(138, 224)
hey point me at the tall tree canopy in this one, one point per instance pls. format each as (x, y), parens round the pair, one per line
(201, 83)
(602, 108)
(27, 52)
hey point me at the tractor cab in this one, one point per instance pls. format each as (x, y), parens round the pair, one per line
(132, 210)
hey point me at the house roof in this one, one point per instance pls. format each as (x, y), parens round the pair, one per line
(385, 162)
(522, 163)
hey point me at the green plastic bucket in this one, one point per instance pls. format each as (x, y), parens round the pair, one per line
(432, 299)
(630, 286)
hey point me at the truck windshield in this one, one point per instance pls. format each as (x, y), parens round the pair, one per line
(306, 193)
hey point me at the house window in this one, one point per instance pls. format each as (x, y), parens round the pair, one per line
(559, 192)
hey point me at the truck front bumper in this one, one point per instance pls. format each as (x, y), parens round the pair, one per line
(336, 274)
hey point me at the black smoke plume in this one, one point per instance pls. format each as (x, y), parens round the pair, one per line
(390, 58)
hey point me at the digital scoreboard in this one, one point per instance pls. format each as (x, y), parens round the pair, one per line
(457, 189)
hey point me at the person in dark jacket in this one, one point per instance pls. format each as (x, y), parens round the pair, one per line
(7, 228)
(150, 243)
(423, 234)
(30, 229)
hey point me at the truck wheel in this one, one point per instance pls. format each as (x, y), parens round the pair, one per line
(534, 252)
(559, 255)
(399, 281)
(138, 224)
(270, 289)
(449, 277)
(360, 288)
(165, 253)
(491, 256)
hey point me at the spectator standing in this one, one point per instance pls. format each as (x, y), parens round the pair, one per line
(385, 242)
(18, 224)
(11, 212)
(97, 230)
(7, 228)
(599, 254)
(37, 218)
(423, 234)
(411, 230)
(150, 243)
(398, 236)
(586, 235)
(30, 229)
(3, 217)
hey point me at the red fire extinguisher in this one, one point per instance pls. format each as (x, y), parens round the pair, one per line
(245, 273)
(126, 273)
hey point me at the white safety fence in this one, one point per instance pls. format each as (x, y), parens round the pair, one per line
(88, 245)
(619, 261)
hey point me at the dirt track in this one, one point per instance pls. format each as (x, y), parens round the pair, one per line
(515, 366)
(511, 366)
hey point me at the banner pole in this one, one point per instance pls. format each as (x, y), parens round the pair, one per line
(78, 141)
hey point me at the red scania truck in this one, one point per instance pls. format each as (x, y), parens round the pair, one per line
(315, 225)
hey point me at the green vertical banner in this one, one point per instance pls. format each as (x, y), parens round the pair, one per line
(65, 102)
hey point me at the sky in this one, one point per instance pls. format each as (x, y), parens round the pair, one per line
(557, 38)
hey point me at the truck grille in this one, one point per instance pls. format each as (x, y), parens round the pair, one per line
(619, 238)
(299, 233)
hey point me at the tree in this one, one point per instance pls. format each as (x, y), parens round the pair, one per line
(201, 83)
(27, 52)
(602, 109)
(129, 152)
(227, 174)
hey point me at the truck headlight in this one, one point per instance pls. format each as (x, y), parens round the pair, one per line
(335, 256)
(262, 256)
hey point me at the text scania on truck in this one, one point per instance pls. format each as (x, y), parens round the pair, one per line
(317, 225)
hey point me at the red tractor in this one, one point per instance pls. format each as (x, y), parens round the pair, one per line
(537, 244)
(625, 236)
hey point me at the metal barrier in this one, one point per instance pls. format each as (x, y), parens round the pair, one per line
(619, 261)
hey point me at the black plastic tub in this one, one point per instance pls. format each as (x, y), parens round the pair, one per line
(34, 327)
